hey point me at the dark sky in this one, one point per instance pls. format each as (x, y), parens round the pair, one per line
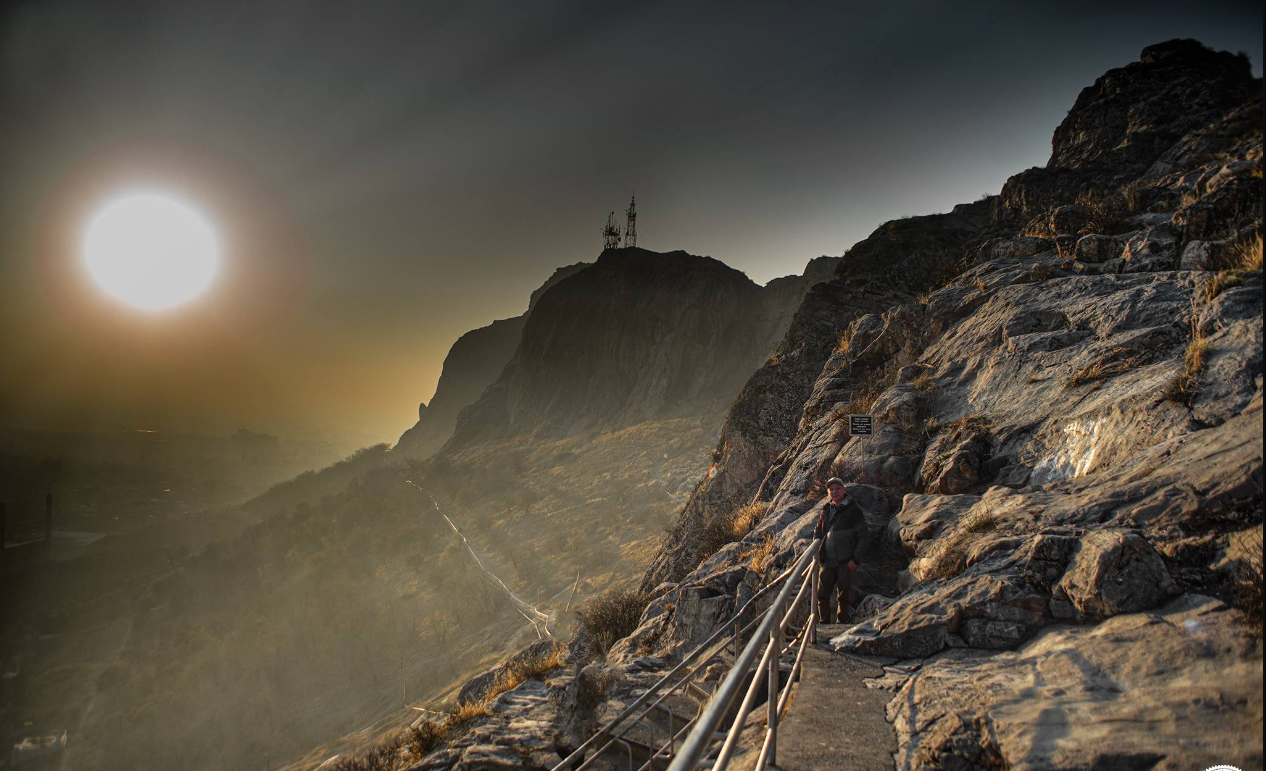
(389, 176)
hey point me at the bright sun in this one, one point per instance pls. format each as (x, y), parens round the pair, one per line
(150, 250)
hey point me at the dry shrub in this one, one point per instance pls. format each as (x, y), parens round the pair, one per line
(1106, 210)
(1115, 362)
(399, 750)
(1246, 592)
(949, 556)
(924, 382)
(608, 619)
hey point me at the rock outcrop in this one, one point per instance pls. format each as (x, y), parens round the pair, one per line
(472, 364)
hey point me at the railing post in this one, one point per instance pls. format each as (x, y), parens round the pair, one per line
(813, 601)
(775, 639)
(672, 739)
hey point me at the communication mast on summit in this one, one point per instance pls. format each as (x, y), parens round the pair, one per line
(611, 233)
(630, 226)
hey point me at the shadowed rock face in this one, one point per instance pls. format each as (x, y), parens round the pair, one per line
(1163, 112)
(472, 364)
(1126, 120)
(638, 336)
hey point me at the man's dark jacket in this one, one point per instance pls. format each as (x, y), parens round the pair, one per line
(844, 529)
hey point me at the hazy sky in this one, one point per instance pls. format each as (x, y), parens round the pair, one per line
(386, 177)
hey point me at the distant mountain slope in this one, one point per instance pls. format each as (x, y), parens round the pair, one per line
(638, 336)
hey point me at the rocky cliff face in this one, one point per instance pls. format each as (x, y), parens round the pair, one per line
(472, 364)
(638, 336)
(1070, 454)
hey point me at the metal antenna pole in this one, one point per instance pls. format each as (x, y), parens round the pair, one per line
(630, 227)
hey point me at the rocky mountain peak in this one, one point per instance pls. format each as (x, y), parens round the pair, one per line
(1127, 118)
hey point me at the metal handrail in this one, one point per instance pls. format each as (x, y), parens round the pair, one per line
(767, 638)
(609, 730)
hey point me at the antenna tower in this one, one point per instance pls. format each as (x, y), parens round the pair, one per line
(630, 227)
(611, 233)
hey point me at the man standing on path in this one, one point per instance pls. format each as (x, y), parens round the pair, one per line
(842, 526)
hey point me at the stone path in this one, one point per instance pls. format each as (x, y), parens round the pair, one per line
(836, 723)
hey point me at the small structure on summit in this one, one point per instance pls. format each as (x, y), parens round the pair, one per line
(611, 233)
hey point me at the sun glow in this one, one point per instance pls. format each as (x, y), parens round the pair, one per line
(150, 250)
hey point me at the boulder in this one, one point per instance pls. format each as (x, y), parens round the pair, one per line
(1177, 689)
(1012, 248)
(1113, 572)
(1152, 249)
(954, 462)
(1197, 255)
(1070, 219)
(1096, 248)
(478, 686)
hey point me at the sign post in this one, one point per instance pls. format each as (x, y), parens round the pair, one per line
(861, 425)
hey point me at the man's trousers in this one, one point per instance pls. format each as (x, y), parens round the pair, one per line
(837, 579)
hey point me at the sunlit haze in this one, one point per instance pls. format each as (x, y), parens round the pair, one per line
(384, 181)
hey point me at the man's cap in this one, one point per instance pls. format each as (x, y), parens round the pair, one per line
(835, 480)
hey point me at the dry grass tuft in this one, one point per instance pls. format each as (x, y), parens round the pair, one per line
(1186, 384)
(1222, 281)
(949, 556)
(728, 528)
(864, 393)
(761, 555)
(843, 339)
(403, 749)
(1115, 362)
(522, 670)
(1242, 258)
(924, 382)
(1246, 254)
(980, 284)
(975, 422)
